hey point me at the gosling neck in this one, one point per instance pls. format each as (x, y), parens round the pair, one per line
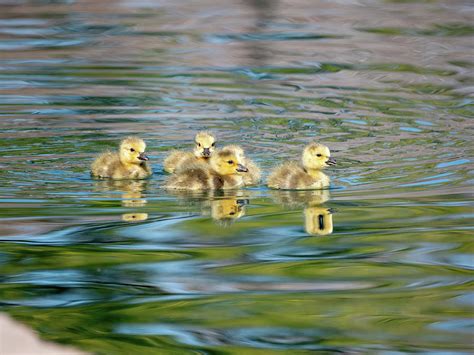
(314, 172)
(128, 164)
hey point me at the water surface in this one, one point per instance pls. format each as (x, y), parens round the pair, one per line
(380, 263)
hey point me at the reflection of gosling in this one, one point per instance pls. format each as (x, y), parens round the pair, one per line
(222, 172)
(205, 145)
(300, 198)
(305, 175)
(131, 190)
(252, 177)
(134, 217)
(228, 209)
(318, 220)
(129, 163)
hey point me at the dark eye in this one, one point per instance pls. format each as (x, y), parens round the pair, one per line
(318, 155)
(132, 150)
(230, 161)
(199, 144)
(214, 144)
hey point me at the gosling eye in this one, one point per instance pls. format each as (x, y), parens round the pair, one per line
(230, 161)
(132, 150)
(199, 144)
(318, 155)
(213, 144)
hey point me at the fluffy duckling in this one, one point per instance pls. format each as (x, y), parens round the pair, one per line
(318, 220)
(308, 174)
(205, 144)
(222, 172)
(252, 177)
(129, 163)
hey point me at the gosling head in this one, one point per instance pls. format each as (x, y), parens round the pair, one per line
(205, 145)
(317, 156)
(132, 151)
(237, 150)
(227, 163)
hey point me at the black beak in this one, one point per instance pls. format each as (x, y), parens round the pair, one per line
(242, 202)
(241, 168)
(143, 157)
(206, 153)
(331, 161)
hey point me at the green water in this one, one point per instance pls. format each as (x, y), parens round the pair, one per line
(381, 263)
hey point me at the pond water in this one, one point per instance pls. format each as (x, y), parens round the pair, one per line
(382, 262)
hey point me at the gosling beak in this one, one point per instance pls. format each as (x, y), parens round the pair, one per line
(331, 161)
(206, 153)
(242, 202)
(143, 157)
(241, 168)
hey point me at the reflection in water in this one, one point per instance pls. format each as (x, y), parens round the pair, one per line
(224, 206)
(132, 195)
(134, 217)
(227, 210)
(388, 87)
(317, 218)
(264, 13)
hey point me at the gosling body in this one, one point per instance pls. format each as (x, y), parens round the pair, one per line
(222, 172)
(304, 175)
(205, 143)
(130, 162)
(254, 174)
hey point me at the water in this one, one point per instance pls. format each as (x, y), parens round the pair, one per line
(380, 263)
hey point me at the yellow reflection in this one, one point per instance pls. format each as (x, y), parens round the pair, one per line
(134, 217)
(227, 210)
(132, 195)
(318, 220)
(225, 207)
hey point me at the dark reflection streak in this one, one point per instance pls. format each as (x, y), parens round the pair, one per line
(264, 10)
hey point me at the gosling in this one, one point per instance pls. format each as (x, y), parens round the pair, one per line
(130, 162)
(223, 172)
(205, 144)
(304, 175)
(253, 176)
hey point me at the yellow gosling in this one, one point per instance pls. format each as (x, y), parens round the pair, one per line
(254, 174)
(205, 144)
(130, 162)
(223, 172)
(304, 175)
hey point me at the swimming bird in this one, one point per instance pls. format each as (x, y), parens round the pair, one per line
(304, 175)
(130, 162)
(223, 172)
(252, 177)
(205, 144)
